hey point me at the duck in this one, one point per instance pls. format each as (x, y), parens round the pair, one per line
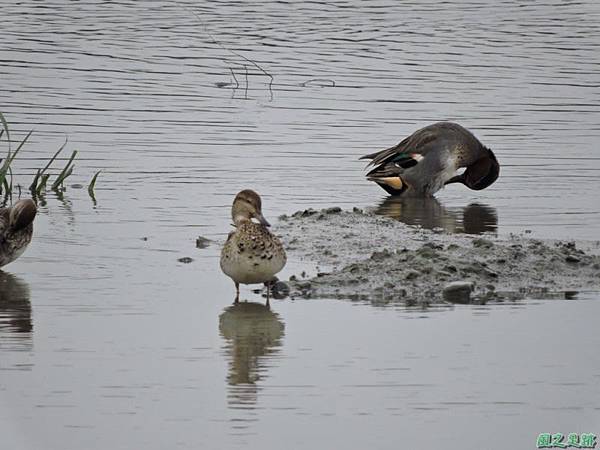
(251, 254)
(430, 158)
(16, 229)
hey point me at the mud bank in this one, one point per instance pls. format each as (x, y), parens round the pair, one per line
(364, 256)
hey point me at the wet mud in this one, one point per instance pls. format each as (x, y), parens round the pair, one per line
(365, 256)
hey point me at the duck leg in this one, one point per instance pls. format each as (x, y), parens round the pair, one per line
(268, 284)
(237, 293)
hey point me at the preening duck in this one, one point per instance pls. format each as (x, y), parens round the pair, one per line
(430, 158)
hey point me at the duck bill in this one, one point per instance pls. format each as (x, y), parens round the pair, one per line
(262, 220)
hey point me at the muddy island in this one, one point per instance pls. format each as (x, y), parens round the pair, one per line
(364, 256)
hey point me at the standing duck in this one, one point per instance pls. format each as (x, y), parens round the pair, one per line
(251, 254)
(16, 229)
(427, 160)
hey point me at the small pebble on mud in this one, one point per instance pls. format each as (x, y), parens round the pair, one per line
(306, 213)
(185, 260)
(483, 243)
(412, 274)
(379, 256)
(280, 290)
(458, 292)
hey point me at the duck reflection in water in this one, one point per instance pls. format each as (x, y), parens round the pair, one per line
(253, 335)
(15, 313)
(429, 213)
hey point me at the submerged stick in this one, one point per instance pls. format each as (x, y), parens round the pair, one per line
(246, 90)
(254, 63)
(329, 80)
(237, 85)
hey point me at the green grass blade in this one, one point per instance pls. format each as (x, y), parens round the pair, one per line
(10, 185)
(54, 157)
(92, 185)
(21, 144)
(93, 182)
(42, 185)
(4, 169)
(5, 125)
(68, 170)
(34, 183)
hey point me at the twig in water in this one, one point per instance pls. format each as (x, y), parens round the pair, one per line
(318, 79)
(246, 90)
(254, 63)
(237, 85)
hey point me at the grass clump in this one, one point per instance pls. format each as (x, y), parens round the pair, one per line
(41, 179)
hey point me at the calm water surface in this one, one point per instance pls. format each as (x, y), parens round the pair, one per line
(107, 341)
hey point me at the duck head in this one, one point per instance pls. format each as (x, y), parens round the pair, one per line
(22, 214)
(481, 173)
(247, 205)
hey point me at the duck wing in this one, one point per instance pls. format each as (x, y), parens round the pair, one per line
(409, 151)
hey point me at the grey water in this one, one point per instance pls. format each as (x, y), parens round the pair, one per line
(108, 341)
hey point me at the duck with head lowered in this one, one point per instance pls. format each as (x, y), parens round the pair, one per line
(251, 254)
(430, 158)
(16, 229)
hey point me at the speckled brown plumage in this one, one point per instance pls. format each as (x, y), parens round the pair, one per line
(16, 229)
(251, 254)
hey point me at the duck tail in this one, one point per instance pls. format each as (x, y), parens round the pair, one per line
(22, 214)
(392, 185)
(380, 156)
